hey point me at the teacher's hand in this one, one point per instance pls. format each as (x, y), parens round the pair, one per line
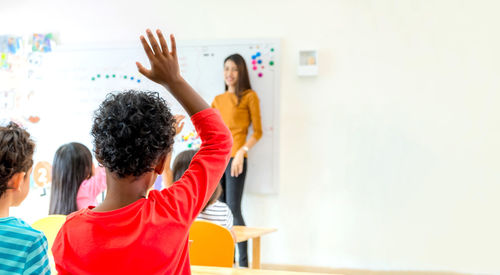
(237, 165)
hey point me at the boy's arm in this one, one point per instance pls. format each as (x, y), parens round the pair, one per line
(190, 193)
(188, 196)
(37, 260)
(165, 71)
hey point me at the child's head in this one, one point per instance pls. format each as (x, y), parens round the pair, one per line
(16, 160)
(133, 133)
(181, 164)
(71, 166)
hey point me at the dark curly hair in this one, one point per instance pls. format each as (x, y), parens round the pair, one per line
(16, 153)
(132, 130)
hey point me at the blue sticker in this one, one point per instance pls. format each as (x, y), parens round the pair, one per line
(260, 61)
(258, 54)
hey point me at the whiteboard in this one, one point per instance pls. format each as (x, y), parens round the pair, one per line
(64, 87)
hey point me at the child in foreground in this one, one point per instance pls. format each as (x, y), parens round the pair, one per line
(75, 182)
(133, 133)
(23, 250)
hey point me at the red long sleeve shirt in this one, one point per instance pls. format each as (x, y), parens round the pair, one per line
(149, 236)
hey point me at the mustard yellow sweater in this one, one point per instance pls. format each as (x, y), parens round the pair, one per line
(239, 117)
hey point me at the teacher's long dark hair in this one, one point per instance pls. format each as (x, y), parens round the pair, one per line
(71, 166)
(243, 82)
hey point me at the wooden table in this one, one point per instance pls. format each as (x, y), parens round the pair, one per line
(210, 270)
(244, 233)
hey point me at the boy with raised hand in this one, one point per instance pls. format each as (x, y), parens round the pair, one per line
(23, 250)
(133, 133)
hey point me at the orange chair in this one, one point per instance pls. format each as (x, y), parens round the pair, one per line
(50, 226)
(212, 245)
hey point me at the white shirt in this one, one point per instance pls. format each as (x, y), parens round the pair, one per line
(218, 213)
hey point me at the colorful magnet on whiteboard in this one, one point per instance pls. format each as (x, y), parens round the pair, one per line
(271, 63)
(138, 81)
(124, 77)
(254, 61)
(93, 78)
(258, 54)
(107, 76)
(262, 67)
(254, 56)
(260, 74)
(132, 78)
(272, 49)
(254, 68)
(114, 75)
(98, 75)
(260, 61)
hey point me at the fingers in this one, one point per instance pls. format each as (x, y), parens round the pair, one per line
(178, 118)
(240, 169)
(174, 45)
(146, 47)
(163, 42)
(152, 41)
(143, 70)
(233, 170)
(236, 169)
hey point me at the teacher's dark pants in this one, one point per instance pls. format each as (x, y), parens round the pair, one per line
(232, 194)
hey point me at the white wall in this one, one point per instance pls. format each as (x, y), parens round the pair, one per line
(389, 157)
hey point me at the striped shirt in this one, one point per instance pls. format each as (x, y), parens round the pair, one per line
(218, 213)
(23, 250)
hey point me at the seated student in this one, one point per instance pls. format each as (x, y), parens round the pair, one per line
(73, 185)
(214, 211)
(133, 133)
(217, 212)
(23, 249)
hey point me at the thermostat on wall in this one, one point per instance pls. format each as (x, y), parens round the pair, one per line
(308, 63)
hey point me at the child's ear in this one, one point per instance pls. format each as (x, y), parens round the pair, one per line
(15, 181)
(160, 165)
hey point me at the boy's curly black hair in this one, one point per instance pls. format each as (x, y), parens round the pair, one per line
(16, 153)
(132, 131)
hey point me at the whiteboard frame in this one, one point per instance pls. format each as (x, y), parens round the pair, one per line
(275, 170)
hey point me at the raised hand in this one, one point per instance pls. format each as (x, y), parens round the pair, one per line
(179, 124)
(164, 63)
(165, 71)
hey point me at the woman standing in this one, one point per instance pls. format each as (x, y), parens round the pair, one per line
(239, 107)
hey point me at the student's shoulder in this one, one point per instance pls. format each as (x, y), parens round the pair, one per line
(220, 205)
(75, 217)
(22, 229)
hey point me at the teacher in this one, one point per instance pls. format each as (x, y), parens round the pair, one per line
(239, 107)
